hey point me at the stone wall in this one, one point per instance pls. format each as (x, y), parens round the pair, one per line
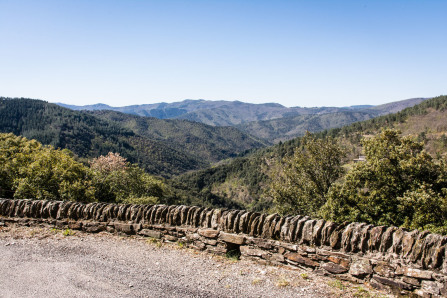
(405, 261)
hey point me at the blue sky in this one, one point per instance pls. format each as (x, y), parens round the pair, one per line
(297, 53)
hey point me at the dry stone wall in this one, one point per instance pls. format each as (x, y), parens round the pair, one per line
(405, 261)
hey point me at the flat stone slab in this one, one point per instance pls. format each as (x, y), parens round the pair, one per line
(232, 238)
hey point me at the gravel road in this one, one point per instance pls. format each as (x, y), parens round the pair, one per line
(42, 262)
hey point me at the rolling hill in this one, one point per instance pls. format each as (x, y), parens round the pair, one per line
(208, 143)
(244, 179)
(170, 149)
(271, 122)
(283, 129)
(216, 113)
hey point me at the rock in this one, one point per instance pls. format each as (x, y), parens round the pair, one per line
(347, 235)
(326, 232)
(307, 233)
(257, 228)
(361, 268)
(412, 281)
(430, 257)
(277, 258)
(301, 260)
(215, 218)
(384, 269)
(438, 256)
(171, 238)
(232, 238)
(291, 235)
(316, 233)
(263, 243)
(93, 227)
(336, 235)
(375, 236)
(340, 261)
(75, 225)
(276, 227)
(430, 287)
(387, 239)
(220, 250)
(408, 241)
(397, 240)
(125, 228)
(418, 247)
(150, 233)
(393, 283)
(334, 268)
(209, 233)
(212, 242)
(420, 274)
(284, 233)
(250, 251)
(199, 245)
(266, 233)
(243, 223)
(299, 228)
(289, 246)
(207, 221)
(235, 227)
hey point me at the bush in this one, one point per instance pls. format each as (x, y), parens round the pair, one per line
(398, 184)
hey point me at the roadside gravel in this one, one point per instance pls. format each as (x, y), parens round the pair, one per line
(42, 262)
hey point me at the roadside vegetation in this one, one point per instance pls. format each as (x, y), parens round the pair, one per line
(397, 184)
(29, 170)
(402, 180)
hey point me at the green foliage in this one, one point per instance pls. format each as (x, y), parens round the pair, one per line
(301, 181)
(233, 254)
(116, 180)
(398, 184)
(207, 143)
(31, 171)
(68, 232)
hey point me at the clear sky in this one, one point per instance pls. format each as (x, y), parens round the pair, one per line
(297, 53)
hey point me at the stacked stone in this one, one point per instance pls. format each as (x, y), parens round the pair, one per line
(383, 256)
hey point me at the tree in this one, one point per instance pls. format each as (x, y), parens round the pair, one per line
(29, 170)
(16, 153)
(116, 180)
(300, 182)
(54, 175)
(398, 184)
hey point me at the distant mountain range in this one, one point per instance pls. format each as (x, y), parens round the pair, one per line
(271, 122)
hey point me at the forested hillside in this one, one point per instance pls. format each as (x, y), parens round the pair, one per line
(426, 120)
(162, 147)
(284, 129)
(209, 143)
(245, 179)
(88, 136)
